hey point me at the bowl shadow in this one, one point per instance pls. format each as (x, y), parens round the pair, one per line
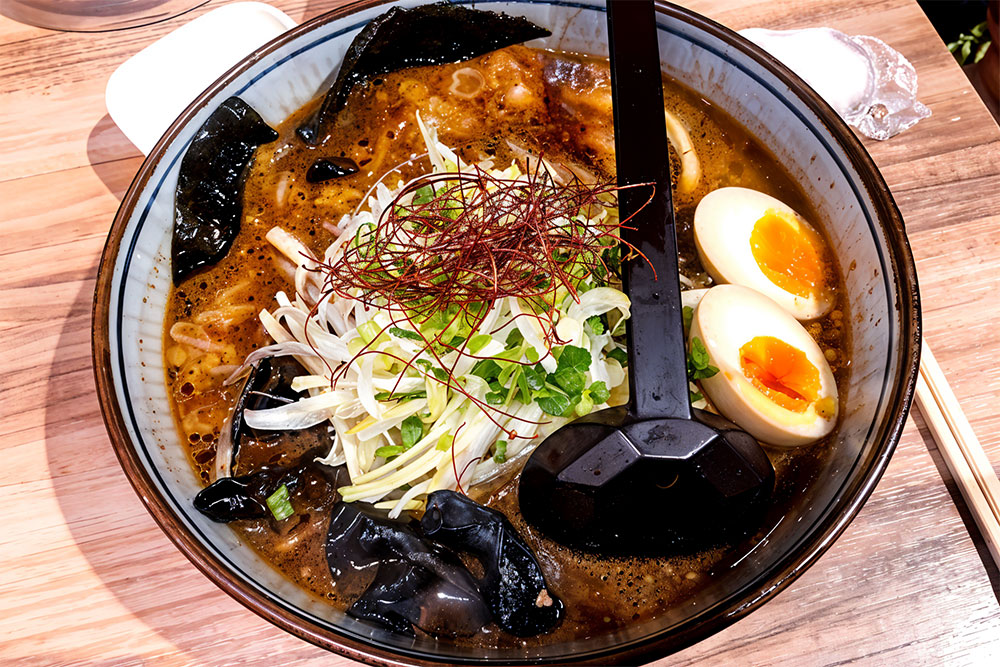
(108, 152)
(122, 545)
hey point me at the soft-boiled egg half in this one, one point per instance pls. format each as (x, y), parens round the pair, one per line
(773, 379)
(748, 238)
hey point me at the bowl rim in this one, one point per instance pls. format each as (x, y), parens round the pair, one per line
(762, 588)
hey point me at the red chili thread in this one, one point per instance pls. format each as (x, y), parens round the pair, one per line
(479, 238)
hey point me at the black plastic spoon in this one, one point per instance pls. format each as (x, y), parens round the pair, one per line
(655, 476)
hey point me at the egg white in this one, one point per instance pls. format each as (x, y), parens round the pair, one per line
(729, 316)
(723, 222)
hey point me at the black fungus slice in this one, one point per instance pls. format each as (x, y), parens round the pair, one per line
(512, 583)
(268, 385)
(414, 582)
(426, 35)
(325, 169)
(245, 497)
(208, 204)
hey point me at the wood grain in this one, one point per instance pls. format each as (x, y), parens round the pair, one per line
(85, 575)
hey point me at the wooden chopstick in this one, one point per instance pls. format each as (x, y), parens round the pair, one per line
(960, 449)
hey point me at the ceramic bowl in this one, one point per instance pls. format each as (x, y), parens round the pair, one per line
(830, 164)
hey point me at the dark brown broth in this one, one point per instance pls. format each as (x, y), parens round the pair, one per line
(566, 117)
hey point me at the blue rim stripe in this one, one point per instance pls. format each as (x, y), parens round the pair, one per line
(155, 472)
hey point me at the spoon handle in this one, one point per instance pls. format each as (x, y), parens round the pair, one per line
(658, 385)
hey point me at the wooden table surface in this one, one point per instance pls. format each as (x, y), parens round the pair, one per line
(87, 577)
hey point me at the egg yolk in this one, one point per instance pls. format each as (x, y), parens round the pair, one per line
(781, 372)
(789, 253)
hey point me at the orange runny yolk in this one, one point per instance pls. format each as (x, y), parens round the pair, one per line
(789, 253)
(781, 372)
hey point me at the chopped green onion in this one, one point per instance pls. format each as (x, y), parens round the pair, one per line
(501, 451)
(280, 504)
(445, 442)
(369, 331)
(522, 384)
(389, 396)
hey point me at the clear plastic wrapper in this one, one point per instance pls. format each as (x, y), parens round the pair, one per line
(870, 84)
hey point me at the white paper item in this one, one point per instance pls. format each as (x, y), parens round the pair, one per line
(149, 90)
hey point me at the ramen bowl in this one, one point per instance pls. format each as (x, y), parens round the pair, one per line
(865, 231)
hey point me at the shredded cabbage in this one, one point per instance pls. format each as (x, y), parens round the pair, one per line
(404, 430)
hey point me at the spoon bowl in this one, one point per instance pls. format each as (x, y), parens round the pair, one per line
(594, 483)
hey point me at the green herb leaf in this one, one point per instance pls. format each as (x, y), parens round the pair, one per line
(534, 377)
(572, 381)
(514, 339)
(440, 373)
(702, 373)
(697, 362)
(486, 369)
(575, 358)
(555, 404)
(981, 51)
(280, 504)
(423, 195)
(596, 324)
(495, 397)
(599, 392)
(500, 449)
(531, 354)
(386, 451)
(478, 342)
(411, 430)
(404, 333)
(619, 355)
(698, 354)
(687, 313)
(695, 396)
(584, 406)
(573, 402)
